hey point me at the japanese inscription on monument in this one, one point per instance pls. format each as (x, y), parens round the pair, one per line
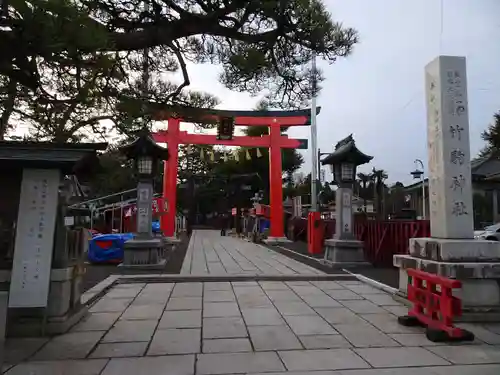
(449, 150)
(34, 238)
(144, 204)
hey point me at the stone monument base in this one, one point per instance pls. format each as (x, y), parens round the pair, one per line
(345, 253)
(63, 307)
(480, 293)
(144, 253)
(273, 241)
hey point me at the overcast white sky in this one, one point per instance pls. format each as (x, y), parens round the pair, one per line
(378, 92)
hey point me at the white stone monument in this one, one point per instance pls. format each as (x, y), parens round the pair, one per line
(452, 251)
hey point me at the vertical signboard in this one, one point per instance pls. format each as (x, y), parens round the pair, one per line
(29, 285)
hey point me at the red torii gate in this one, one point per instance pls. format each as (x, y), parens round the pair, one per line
(173, 136)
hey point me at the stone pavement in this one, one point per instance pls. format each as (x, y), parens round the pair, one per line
(210, 253)
(340, 327)
(249, 327)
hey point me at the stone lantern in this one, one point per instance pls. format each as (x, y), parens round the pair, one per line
(344, 248)
(144, 250)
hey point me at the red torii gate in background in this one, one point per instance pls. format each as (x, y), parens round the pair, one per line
(275, 141)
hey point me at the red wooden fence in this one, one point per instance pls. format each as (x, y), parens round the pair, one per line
(382, 239)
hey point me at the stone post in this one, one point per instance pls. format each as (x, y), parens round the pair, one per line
(344, 249)
(144, 251)
(452, 251)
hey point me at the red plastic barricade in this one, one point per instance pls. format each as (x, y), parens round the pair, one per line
(434, 306)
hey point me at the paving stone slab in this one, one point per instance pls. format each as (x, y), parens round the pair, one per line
(389, 323)
(340, 315)
(273, 338)
(130, 286)
(187, 290)
(73, 345)
(309, 325)
(363, 307)
(317, 300)
(324, 342)
(171, 365)
(294, 308)
(468, 354)
(364, 289)
(482, 333)
(180, 319)
(397, 310)
(219, 328)
(382, 300)
(364, 335)
(219, 296)
(308, 290)
(184, 303)
(273, 285)
(87, 367)
(131, 331)
(97, 322)
(217, 286)
(227, 345)
(244, 283)
(123, 293)
(111, 305)
(466, 370)
(232, 363)
(400, 357)
(220, 309)
(248, 301)
(316, 360)
(158, 288)
(19, 349)
(121, 349)
(150, 299)
(327, 285)
(176, 341)
(143, 312)
(282, 295)
(262, 317)
(343, 295)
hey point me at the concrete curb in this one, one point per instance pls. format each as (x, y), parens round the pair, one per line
(228, 278)
(373, 283)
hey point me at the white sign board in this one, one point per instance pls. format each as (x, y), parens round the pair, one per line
(29, 285)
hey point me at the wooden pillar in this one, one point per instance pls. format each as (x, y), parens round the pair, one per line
(170, 178)
(276, 183)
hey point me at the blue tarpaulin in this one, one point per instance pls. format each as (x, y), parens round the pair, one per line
(107, 247)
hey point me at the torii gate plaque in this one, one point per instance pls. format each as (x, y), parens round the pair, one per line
(275, 141)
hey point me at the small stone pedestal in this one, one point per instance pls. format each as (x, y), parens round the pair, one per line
(344, 253)
(144, 254)
(63, 306)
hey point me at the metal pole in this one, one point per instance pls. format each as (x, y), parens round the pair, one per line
(112, 217)
(314, 140)
(418, 161)
(319, 164)
(121, 213)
